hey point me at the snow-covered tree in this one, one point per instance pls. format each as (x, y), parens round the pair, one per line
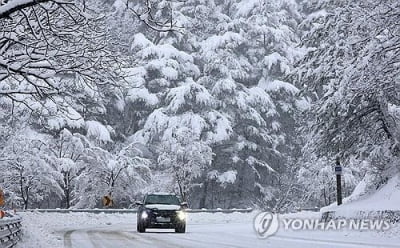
(120, 176)
(184, 109)
(67, 157)
(351, 71)
(26, 171)
(185, 158)
(205, 108)
(249, 112)
(223, 99)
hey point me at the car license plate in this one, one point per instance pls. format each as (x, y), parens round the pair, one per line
(163, 219)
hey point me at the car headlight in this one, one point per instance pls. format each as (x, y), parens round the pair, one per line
(181, 215)
(144, 215)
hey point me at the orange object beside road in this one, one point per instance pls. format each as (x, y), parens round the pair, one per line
(108, 201)
(1, 198)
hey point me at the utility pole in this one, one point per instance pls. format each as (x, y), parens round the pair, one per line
(338, 167)
(338, 172)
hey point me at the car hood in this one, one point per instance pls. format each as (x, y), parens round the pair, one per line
(163, 207)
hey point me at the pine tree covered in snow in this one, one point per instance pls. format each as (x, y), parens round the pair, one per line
(209, 108)
(212, 81)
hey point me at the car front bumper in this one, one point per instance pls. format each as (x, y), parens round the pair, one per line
(162, 219)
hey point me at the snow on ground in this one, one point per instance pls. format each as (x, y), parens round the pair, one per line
(385, 198)
(388, 237)
(70, 230)
(42, 230)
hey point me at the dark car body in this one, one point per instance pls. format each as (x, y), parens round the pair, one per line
(161, 211)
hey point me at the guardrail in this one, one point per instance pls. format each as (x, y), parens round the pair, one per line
(121, 211)
(10, 231)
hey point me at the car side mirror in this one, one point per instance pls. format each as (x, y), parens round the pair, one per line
(184, 205)
(139, 203)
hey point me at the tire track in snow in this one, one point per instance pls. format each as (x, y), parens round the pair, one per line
(97, 238)
(67, 239)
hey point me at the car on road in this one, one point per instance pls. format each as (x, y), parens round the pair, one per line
(161, 210)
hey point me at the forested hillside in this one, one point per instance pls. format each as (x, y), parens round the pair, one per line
(228, 103)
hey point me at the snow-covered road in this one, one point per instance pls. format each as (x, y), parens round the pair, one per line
(215, 235)
(201, 236)
(203, 230)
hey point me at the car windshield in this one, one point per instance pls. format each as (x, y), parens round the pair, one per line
(162, 199)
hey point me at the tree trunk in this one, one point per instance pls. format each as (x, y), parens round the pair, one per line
(67, 198)
(181, 191)
(203, 199)
(26, 199)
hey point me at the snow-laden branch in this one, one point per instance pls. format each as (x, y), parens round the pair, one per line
(50, 47)
(145, 15)
(47, 47)
(16, 5)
